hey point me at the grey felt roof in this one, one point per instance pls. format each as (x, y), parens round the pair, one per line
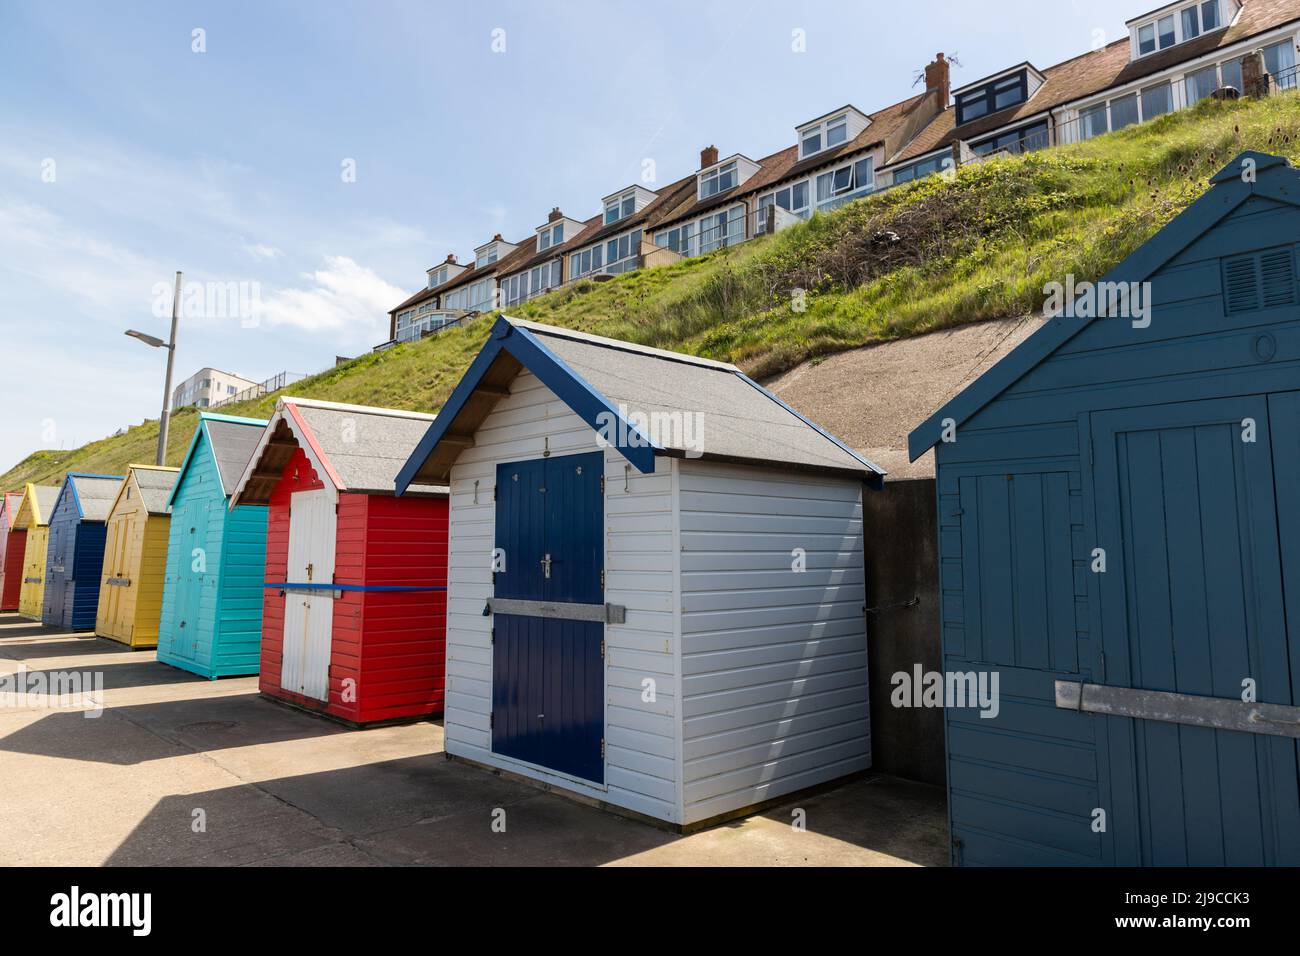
(96, 495)
(155, 487)
(367, 448)
(733, 417)
(232, 444)
(47, 496)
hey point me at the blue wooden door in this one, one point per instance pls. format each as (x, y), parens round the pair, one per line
(1192, 602)
(547, 672)
(191, 520)
(58, 569)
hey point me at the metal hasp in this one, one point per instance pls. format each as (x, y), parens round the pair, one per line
(605, 613)
(1219, 713)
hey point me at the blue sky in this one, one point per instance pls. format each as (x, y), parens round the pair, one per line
(125, 155)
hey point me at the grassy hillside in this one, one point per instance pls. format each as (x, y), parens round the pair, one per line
(977, 245)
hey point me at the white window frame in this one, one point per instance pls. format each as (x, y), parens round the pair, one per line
(1180, 36)
(715, 176)
(617, 206)
(822, 133)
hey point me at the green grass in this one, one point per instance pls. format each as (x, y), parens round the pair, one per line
(944, 251)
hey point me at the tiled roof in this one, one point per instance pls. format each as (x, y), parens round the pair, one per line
(1100, 70)
(785, 163)
(417, 298)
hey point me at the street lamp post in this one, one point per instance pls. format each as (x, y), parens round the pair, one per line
(170, 346)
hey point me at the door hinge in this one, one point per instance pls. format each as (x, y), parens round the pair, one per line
(492, 720)
(494, 492)
(602, 581)
(492, 638)
(602, 649)
(602, 748)
(602, 484)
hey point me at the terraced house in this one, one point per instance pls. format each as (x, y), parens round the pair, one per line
(1170, 58)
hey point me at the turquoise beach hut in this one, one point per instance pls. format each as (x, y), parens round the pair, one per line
(212, 593)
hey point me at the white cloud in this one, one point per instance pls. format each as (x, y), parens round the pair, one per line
(343, 297)
(259, 250)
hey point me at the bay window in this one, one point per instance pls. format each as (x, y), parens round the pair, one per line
(1201, 84)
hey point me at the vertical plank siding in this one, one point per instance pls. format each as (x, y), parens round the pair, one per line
(15, 549)
(1017, 526)
(12, 542)
(32, 596)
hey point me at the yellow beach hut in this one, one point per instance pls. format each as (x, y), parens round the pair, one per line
(34, 515)
(135, 557)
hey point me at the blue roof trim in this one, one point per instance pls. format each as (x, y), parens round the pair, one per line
(589, 404)
(69, 482)
(1228, 192)
(875, 480)
(76, 499)
(568, 385)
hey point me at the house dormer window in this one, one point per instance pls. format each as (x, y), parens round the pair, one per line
(832, 132)
(620, 207)
(1176, 24)
(437, 276)
(990, 97)
(550, 236)
(718, 180)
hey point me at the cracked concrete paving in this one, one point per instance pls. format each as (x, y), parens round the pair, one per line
(273, 786)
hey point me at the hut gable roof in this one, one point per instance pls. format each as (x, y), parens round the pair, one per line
(353, 448)
(622, 390)
(9, 508)
(91, 495)
(37, 505)
(153, 485)
(1273, 178)
(231, 441)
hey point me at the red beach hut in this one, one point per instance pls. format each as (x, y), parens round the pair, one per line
(354, 608)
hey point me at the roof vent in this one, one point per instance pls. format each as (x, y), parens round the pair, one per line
(1261, 280)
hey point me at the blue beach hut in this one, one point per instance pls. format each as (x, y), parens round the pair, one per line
(75, 554)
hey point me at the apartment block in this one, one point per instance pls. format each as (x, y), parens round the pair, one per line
(207, 387)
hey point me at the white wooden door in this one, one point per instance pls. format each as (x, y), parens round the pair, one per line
(308, 611)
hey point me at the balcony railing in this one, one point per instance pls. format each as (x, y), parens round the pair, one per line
(430, 324)
(272, 384)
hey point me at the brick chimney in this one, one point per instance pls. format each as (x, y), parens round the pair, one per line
(555, 214)
(937, 78)
(708, 156)
(497, 238)
(451, 259)
(1254, 75)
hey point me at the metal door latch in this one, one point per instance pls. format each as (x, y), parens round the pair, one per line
(546, 565)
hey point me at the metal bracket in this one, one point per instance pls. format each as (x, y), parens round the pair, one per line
(605, 613)
(1218, 713)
